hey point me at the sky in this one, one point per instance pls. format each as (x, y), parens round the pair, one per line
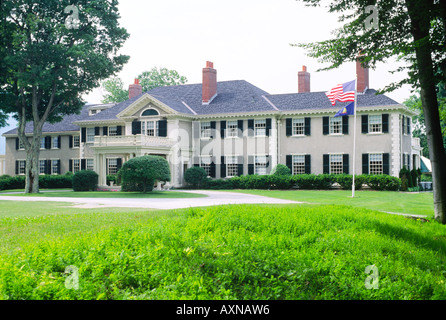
(245, 39)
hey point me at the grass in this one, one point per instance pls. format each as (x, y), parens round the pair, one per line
(108, 194)
(386, 201)
(226, 252)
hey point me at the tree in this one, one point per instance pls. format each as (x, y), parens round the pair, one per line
(140, 174)
(195, 176)
(52, 53)
(148, 79)
(414, 32)
(419, 130)
(281, 170)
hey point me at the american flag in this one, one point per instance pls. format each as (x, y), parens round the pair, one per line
(342, 92)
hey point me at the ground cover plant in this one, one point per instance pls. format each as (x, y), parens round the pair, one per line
(225, 252)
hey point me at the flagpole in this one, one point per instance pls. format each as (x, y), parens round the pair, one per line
(354, 137)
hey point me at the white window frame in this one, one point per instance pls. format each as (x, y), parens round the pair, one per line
(375, 123)
(260, 164)
(112, 167)
(231, 166)
(76, 141)
(336, 163)
(21, 145)
(376, 163)
(53, 140)
(112, 131)
(54, 166)
(205, 130)
(21, 167)
(335, 126)
(298, 164)
(298, 127)
(42, 168)
(89, 164)
(260, 128)
(76, 165)
(90, 135)
(232, 129)
(42, 143)
(205, 163)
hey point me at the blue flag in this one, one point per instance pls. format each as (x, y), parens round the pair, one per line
(346, 111)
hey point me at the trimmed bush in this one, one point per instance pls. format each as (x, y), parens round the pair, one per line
(56, 182)
(383, 182)
(345, 181)
(281, 170)
(85, 180)
(140, 173)
(12, 183)
(196, 177)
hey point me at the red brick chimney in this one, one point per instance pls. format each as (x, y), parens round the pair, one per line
(135, 89)
(209, 83)
(362, 74)
(303, 80)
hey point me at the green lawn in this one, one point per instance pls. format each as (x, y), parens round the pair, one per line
(226, 252)
(387, 201)
(107, 194)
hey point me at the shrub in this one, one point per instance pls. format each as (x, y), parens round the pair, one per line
(281, 182)
(196, 177)
(56, 182)
(281, 170)
(113, 178)
(85, 180)
(5, 176)
(12, 183)
(383, 182)
(140, 173)
(345, 181)
(314, 182)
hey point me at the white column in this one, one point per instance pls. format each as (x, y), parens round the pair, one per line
(396, 144)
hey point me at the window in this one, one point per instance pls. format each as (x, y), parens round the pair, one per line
(148, 128)
(150, 112)
(205, 163)
(376, 163)
(42, 166)
(260, 127)
(336, 164)
(55, 143)
(260, 165)
(232, 166)
(336, 125)
(42, 143)
(21, 166)
(298, 127)
(54, 166)
(90, 134)
(112, 131)
(90, 164)
(112, 166)
(375, 123)
(299, 164)
(232, 129)
(206, 129)
(21, 145)
(76, 165)
(76, 141)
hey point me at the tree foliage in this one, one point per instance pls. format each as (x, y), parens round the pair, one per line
(47, 63)
(140, 173)
(115, 91)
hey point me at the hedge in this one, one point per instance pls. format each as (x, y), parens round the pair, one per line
(304, 182)
(85, 180)
(45, 182)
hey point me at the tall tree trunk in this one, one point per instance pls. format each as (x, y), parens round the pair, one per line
(420, 20)
(32, 168)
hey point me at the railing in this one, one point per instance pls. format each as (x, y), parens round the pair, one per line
(133, 140)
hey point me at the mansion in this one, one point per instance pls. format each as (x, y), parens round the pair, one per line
(229, 128)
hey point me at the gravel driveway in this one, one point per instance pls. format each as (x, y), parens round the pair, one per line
(213, 198)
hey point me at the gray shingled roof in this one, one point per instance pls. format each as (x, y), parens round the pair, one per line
(233, 97)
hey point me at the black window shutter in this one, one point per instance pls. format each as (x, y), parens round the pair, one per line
(240, 168)
(345, 125)
(83, 164)
(289, 127)
(408, 162)
(222, 129)
(212, 170)
(326, 164)
(404, 125)
(17, 143)
(240, 128)
(345, 163)
(105, 131)
(17, 167)
(308, 126)
(84, 134)
(70, 165)
(250, 165)
(386, 163)
(326, 125)
(48, 142)
(213, 127)
(250, 128)
(119, 131)
(59, 142)
(119, 163)
(365, 123)
(162, 128)
(223, 167)
(136, 127)
(385, 120)
(289, 162)
(48, 167)
(408, 125)
(365, 163)
(70, 142)
(96, 131)
(308, 164)
(268, 127)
